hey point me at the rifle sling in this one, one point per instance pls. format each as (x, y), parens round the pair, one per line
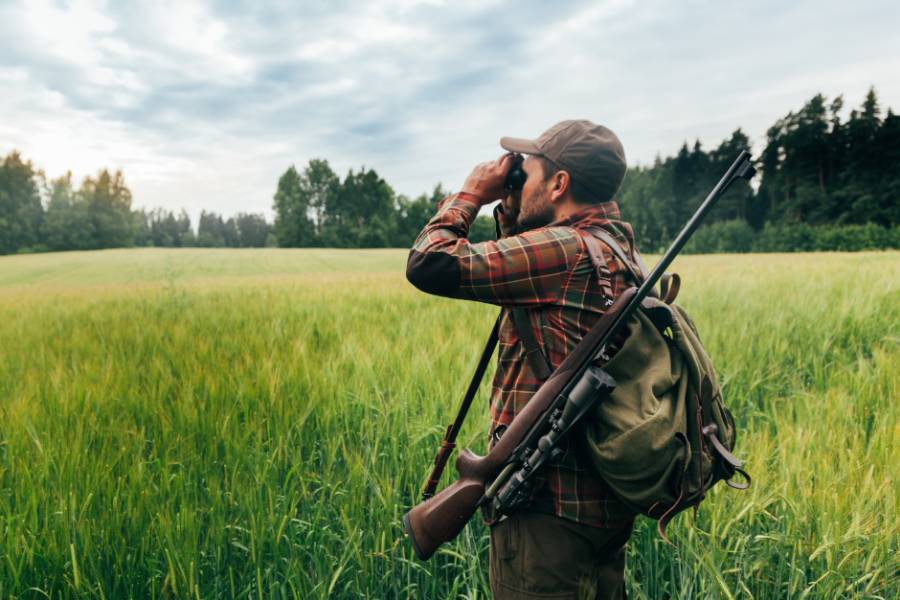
(449, 441)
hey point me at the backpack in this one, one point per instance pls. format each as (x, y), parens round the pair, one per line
(664, 437)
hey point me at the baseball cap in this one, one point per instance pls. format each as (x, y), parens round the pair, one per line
(591, 153)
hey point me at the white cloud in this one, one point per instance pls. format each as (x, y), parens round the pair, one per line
(188, 31)
(67, 32)
(57, 137)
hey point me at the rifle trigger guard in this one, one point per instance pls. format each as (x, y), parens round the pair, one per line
(498, 433)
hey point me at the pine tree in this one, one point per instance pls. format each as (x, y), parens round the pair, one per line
(21, 212)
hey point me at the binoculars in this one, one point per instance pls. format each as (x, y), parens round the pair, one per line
(515, 178)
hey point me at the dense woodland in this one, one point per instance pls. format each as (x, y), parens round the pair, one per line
(825, 184)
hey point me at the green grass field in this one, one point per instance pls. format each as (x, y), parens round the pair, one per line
(253, 424)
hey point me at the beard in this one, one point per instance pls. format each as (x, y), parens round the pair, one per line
(536, 211)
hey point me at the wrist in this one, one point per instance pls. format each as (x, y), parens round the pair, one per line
(470, 196)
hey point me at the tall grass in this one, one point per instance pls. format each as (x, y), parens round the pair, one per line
(253, 424)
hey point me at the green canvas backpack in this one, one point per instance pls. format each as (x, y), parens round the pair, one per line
(664, 437)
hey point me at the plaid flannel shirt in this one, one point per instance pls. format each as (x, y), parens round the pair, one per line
(548, 269)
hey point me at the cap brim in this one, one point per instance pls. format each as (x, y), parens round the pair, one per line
(520, 145)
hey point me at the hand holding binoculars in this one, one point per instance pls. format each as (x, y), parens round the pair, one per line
(515, 177)
(493, 180)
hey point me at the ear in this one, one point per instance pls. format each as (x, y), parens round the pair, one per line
(559, 186)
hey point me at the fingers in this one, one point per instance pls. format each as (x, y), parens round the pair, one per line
(505, 160)
(502, 163)
(486, 181)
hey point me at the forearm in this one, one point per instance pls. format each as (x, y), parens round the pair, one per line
(449, 225)
(434, 264)
(527, 269)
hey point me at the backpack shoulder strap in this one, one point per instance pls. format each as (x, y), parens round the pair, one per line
(669, 283)
(639, 273)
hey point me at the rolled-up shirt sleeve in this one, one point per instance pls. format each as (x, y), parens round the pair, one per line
(527, 269)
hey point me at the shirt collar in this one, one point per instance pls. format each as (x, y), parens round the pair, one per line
(604, 211)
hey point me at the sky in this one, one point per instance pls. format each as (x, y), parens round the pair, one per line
(204, 104)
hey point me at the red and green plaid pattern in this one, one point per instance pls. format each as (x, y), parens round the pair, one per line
(548, 269)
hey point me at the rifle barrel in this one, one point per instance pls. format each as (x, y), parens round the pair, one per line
(740, 168)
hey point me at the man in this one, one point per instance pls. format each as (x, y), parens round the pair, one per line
(570, 541)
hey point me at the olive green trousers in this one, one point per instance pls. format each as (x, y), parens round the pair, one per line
(535, 555)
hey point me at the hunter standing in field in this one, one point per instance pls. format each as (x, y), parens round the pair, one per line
(570, 541)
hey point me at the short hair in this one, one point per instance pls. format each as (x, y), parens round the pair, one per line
(579, 193)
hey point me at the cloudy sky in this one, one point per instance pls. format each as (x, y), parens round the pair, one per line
(204, 104)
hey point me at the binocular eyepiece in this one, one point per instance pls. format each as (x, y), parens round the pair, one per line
(515, 178)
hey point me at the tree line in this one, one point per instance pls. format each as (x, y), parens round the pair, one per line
(825, 184)
(37, 214)
(316, 207)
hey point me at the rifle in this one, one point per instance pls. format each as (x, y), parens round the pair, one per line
(504, 476)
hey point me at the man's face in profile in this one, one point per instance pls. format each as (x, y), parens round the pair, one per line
(532, 204)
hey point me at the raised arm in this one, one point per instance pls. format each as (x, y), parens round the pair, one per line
(528, 269)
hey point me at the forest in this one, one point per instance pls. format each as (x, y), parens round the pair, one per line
(827, 182)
